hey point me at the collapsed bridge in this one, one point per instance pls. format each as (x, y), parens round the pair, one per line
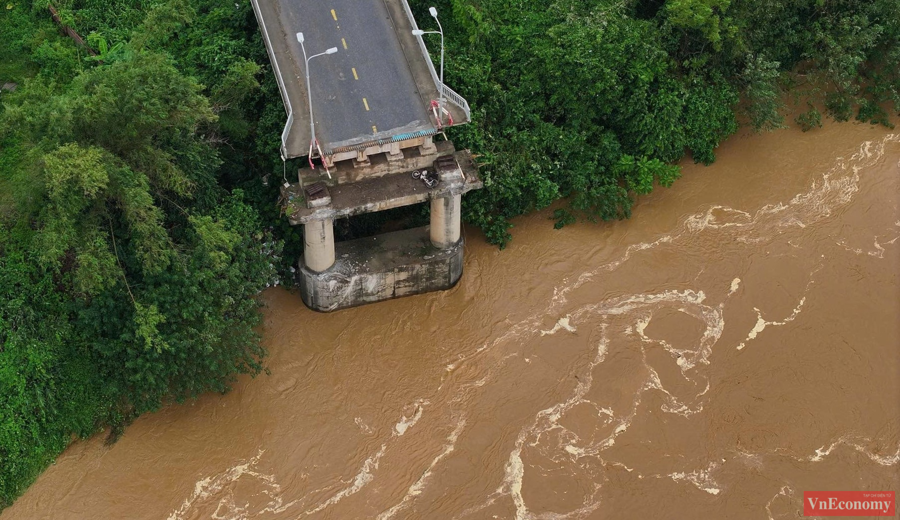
(364, 100)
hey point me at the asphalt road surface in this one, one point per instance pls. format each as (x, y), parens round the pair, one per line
(366, 88)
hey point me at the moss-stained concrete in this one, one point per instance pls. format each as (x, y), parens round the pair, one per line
(380, 268)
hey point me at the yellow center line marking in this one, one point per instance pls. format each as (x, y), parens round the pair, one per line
(333, 15)
(366, 103)
(343, 41)
(354, 73)
(374, 130)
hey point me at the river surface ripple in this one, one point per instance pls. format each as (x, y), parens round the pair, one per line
(732, 345)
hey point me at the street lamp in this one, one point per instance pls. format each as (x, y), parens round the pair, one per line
(419, 32)
(312, 121)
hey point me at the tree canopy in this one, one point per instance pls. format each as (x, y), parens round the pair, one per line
(579, 99)
(128, 268)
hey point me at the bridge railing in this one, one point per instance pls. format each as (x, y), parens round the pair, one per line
(448, 92)
(287, 130)
(460, 101)
(281, 88)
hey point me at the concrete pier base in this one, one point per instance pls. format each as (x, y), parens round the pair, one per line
(380, 268)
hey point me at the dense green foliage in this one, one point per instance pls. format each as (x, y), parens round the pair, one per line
(135, 231)
(594, 100)
(129, 258)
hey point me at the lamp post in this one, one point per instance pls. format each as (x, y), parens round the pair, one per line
(418, 32)
(312, 121)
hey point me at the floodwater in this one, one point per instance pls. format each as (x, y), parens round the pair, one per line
(731, 346)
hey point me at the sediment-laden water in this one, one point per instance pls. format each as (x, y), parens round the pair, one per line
(733, 345)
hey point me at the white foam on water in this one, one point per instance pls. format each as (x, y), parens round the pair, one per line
(363, 477)
(854, 250)
(469, 511)
(362, 426)
(878, 251)
(834, 189)
(366, 473)
(559, 294)
(514, 471)
(761, 324)
(785, 491)
(210, 488)
(859, 446)
(711, 220)
(547, 420)
(419, 485)
(623, 466)
(406, 423)
(574, 450)
(702, 478)
(753, 460)
(563, 323)
(689, 302)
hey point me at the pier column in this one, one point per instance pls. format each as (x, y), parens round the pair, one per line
(318, 244)
(445, 214)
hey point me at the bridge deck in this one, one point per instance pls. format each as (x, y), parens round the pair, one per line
(377, 86)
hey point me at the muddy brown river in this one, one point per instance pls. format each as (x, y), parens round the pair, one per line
(734, 344)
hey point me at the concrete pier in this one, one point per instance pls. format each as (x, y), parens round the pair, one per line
(318, 244)
(335, 276)
(445, 215)
(380, 268)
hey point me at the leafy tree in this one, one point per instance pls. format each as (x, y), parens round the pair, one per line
(129, 273)
(703, 16)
